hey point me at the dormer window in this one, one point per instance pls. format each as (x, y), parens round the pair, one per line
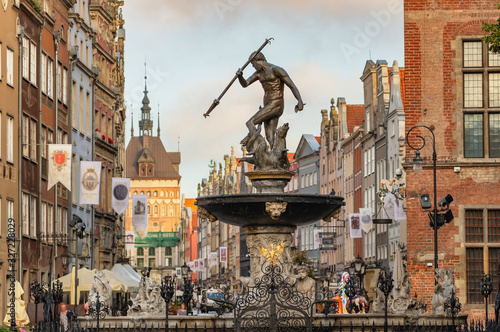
(143, 170)
(150, 170)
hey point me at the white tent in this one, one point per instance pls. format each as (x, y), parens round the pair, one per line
(122, 274)
(132, 272)
(86, 278)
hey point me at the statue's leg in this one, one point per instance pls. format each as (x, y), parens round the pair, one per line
(269, 115)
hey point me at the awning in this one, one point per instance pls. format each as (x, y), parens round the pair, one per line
(125, 278)
(86, 278)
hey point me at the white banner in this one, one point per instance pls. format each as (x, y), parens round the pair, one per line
(355, 226)
(366, 219)
(399, 212)
(191, 266)
(223, 254)
(140, 215)
(120, 192)
(196, 267)
(129, 240)
(317, 238)
(59, 165)
(90, 175)
(212, 259)
(201, 264)
(388, 207)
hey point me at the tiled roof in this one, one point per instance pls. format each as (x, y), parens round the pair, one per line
(355, 116)
(166, 164)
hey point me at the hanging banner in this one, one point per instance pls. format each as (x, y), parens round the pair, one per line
(388, 207)
(317, 238)
(399, 212)
(140, 215)
(120, 192)
(212, 259)
(129, 240)
(201, 265)
(223, 254)
(355, 226)
(196, 266)
(366, 219)
(90, 174)
(178, 272)
(59, 165)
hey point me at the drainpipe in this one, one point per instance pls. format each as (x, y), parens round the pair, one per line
(57, 38)
(95, 71)
(40, 253)
(20, 38)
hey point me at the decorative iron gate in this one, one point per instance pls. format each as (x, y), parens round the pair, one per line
(273, 304)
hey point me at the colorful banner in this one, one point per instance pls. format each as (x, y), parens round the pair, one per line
(212, 259)
(59, 165)
(90, 175)
(223, 254)
(120, 192)
(355, 226)
(366, 219)
(140, 215)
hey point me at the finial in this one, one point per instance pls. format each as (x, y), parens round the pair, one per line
(158, 119)
(132, 122)
(145, 76)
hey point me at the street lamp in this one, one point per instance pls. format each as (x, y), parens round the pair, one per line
(417, 168)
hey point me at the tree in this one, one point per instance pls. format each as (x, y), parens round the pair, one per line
(493, 39)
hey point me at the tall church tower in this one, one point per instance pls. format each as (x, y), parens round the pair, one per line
(145, 124)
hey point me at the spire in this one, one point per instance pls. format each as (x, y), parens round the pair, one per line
(132, 121)
(158, 119)
(145, 124)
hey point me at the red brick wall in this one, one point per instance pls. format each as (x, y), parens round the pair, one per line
(433, 29)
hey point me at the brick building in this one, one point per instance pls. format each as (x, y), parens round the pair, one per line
(452, 87)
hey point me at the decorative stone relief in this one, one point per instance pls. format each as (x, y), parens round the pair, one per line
(204, 214)
(100, 285)
(275, 209)
(442, 291)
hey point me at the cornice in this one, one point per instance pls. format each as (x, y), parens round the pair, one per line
(104, 52)
(99, 10)
(28, 9)
(107, 90)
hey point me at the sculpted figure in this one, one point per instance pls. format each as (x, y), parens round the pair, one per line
(442, 290)
(100, 285)
(305, 284)
(273, 79)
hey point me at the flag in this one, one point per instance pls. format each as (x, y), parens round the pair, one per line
(59, 165)
(120, 192)
(223, 254)
(140, 215)
(212, 259)
(366, 219)
(201, 264)
(90, 175)
(355, 225)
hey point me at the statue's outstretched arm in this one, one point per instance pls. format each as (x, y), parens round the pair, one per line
(244, 83)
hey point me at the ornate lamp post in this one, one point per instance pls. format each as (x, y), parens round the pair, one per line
(36, 294)
(417, 168)
(98, 310)
(167, 291)
(452, 306)
(187, 294)
(385, 284)
(486, 289)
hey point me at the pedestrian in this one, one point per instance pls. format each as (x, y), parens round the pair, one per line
(65, 318)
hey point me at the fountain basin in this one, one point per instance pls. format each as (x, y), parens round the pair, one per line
(268, 209)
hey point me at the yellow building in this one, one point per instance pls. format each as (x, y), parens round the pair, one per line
(154, 172)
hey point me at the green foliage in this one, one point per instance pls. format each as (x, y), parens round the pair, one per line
(37, 5)
(300, 258)
(493, 39)
(4, 329)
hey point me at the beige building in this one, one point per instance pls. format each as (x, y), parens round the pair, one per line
(9, 107)
(154, 172)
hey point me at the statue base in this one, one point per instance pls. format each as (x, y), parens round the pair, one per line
(273, 181)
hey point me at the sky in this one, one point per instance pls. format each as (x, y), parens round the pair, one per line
(193, 49)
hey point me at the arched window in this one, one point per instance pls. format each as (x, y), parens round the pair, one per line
(149, 209)
(142, 192)
(135, 192)
(149, 193)
(171, 211)
(156, 210)
(171, 194)
(150, 170)
(152, 252)
(140, 251)
(177, 194)
(155, 193)
(163, 210)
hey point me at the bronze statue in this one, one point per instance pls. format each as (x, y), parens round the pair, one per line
(273, 80)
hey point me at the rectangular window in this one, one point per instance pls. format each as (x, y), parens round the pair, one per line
(26, 57)
(33, 64)
(473, 135)
(25, 135)
(81, 109)
(474, 263)
(10, 139)
(58, 82)
(73, 105)
(50, 222)
(494, 137)
(74, 179)
(152, 262)
(474, 226)
(58, 220)
(494, 89)
(88, 126)
(25, 212)
(140, 262)
(33, 140)
(493, 59)
(473, 54)
(473, 90)
(33, 217)
(44, 73)
(493, 264)
(43, 142)
(43, 223)
(10, 67)
(65, 87)
(65, 221)
(50, 78)
(493, 226)
(10, 209)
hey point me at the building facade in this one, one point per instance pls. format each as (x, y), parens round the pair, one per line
(451, 81)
